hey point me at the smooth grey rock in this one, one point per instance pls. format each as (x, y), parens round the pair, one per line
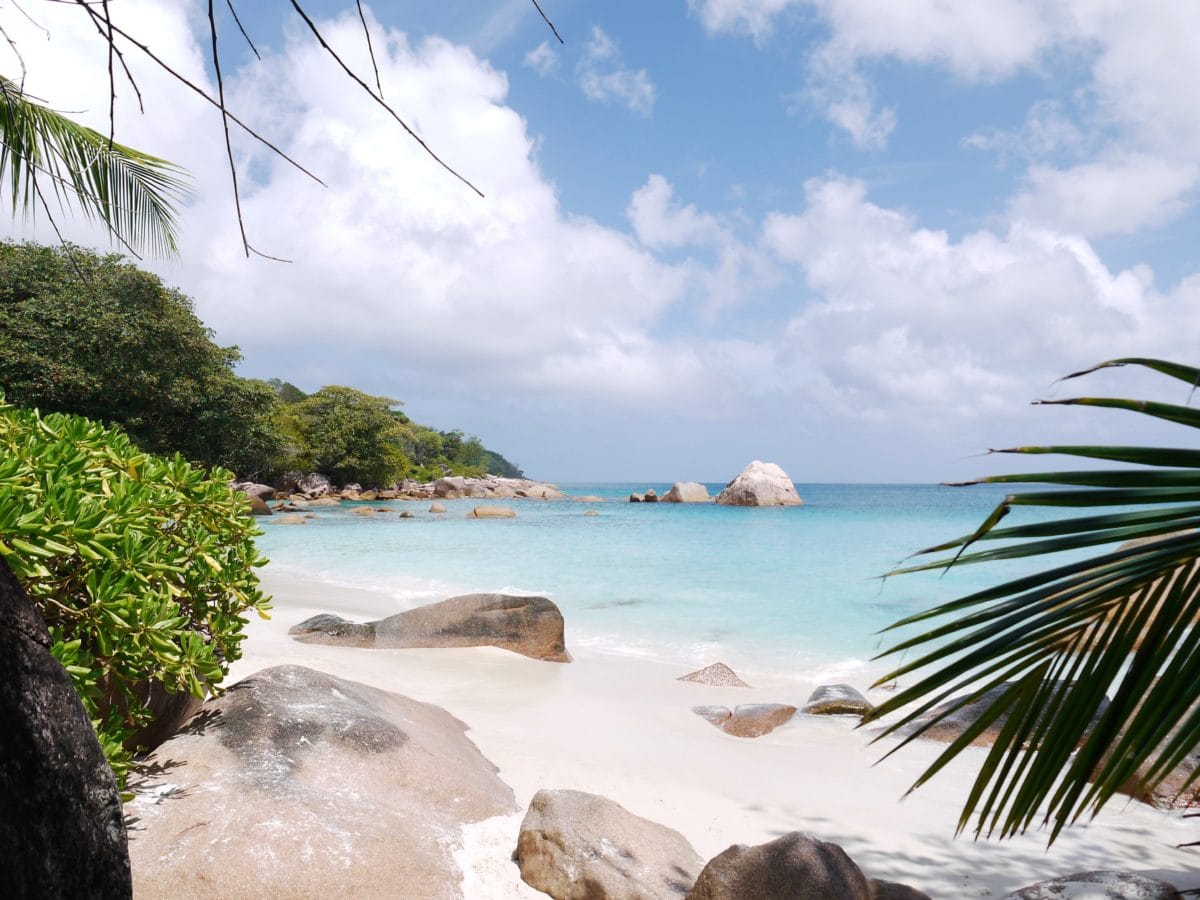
(1099, 885)
(650, 496)
(314, 485)
(718, 674)
(294, 783)
(577, 846)
(836, 700)
(531, 626)
(493, 512)
(250, 489)
(258, 507)
(451, 487)
(796, 866)
(760, 484)
(436, 508)
(62, 830)
(686, 492)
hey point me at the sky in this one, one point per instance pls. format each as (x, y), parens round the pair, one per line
(853, 237)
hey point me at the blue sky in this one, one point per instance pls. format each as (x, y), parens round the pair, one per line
(849, 236)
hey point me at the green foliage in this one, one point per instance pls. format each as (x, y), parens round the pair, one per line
(142, 566)
(95, 336)
(348, 436)
(286, 391)
(1122, 622)
(498, 465)
(43, 152)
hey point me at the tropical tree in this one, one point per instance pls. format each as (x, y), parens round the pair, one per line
(1093, 664)
(42, 151)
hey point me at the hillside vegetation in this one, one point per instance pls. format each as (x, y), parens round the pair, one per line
(93, 335)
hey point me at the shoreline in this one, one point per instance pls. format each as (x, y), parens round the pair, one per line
(622, 727)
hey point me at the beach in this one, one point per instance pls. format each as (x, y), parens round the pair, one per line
(622, 727)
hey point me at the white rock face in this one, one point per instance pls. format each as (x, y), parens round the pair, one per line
(686, 492)
(760, 484)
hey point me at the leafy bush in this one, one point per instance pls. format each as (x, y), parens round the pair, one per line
(96, 336)
(142, 566)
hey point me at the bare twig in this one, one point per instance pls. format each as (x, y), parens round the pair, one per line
(233, 10)
(370, 48)
(237, 195)
(366, 87)
(106, 30)
(32, 21)
(20, 59)
(112, 81)
(546, 19)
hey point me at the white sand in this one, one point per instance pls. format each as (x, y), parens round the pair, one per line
(623, 728)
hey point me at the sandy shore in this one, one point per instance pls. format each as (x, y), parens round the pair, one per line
(623, 728)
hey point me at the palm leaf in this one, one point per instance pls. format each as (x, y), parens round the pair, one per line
(1093, 665)
(133, 193)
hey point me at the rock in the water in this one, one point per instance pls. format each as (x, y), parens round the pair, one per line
(760, 484)
(451, 486)
(577, 846)
(531, 626)
(407, 514)
(756, 719)
(718, 715)
(493, 512)
(324, 501)
(636, 498)
(365, 511)
(388, 494)
(686, 492)
(250, 489)
(291, 519)
(314, 485)
(650, 496)
(796, 866)
(1101, 885)
(61, 825)
(259, 507)
(959, 721)
(295, 783)
(717, 674)
(837, 700)
(588, 498)
(591, 512)
(436, 508)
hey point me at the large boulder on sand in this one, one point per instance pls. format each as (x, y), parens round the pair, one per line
(250, 489)
(750, 720)
(760, 484)
(686, 492)
(295, 783)
(836, 700)
(796, 866)
(531, 626)
(1102, 885)
(577, 846)
(957, 722)
(451, 486)
(258, 507)
(61, 824)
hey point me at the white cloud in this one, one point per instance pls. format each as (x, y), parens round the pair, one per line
(753, 17)
(543, 59)
(1110, 196)
(659, 221)
(604, 78)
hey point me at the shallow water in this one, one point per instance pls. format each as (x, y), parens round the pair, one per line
(791, 591)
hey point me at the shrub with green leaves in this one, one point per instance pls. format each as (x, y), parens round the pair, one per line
(142, 566)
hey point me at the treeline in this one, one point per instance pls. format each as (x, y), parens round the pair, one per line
(94, 335)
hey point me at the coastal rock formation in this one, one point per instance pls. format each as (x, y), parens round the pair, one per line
(323, 501)
(297, 783)
(750, 720)
(436, 508)
(588, 498)
(61, 823)
(760, 484)
(250, 489)
(796, 866)
(365, 511)
(291, 519)
(451, 486)
(717, 674)
(636, 498)
(492, 512)
(1101, 885)
(836, 700)
(531, 626)
(576, 845)
(650, 496)
(258, 507)
(313, 485)
(959, 721)
(686, 492)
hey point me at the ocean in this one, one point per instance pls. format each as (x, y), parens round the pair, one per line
(795, 592)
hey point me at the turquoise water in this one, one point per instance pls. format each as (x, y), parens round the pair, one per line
(792, 590)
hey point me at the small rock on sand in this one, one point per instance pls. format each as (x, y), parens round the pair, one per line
(717, 674)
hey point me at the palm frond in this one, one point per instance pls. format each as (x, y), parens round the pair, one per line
(1088, 671)
(134, 194)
